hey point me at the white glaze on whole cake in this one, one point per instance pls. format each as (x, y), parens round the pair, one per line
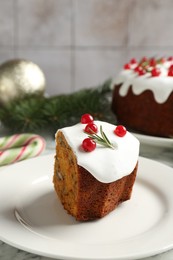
(105, 164)
(161, 86)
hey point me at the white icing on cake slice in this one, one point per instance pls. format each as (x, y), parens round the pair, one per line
(105, 164)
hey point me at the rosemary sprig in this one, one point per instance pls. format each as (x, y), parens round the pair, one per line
(102, 140)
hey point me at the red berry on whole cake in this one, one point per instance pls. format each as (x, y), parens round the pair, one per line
(155, 72)
(143, 96)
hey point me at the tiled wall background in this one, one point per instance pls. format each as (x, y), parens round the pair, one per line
(81, 43)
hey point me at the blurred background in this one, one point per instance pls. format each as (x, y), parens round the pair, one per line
(79, 43)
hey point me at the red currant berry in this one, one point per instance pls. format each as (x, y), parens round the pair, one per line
(88, 145)
(127, 66)
(86, 118)
(144, 59)
(120, 130)
(170, 58)
(155, 72)
(170, 73)
(139, 70)
(91, 128)
(152, 62)
(133, 61)
(171, 67)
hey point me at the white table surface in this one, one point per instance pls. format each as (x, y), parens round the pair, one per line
(165, 156)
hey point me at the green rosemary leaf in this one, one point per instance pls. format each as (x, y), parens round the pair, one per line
(104, 136)
(95, 137)
(103, 140)
(109, 144)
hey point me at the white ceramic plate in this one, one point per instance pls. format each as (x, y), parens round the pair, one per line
(32, 218)
(155, 141)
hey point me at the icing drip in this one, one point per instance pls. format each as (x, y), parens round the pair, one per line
(105, 164)
(161, 86)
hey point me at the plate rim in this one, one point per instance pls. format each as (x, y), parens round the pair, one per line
(157, 141)
(45, 253)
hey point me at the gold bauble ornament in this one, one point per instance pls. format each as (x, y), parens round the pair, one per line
(19, 78)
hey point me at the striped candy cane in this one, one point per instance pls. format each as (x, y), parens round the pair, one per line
(20, 147)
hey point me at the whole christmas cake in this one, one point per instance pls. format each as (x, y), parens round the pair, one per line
(95, 167)
(143, 96)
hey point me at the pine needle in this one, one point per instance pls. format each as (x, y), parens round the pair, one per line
(35, 113)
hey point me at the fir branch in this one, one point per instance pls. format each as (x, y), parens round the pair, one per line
(24, 114)
(35, 113)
